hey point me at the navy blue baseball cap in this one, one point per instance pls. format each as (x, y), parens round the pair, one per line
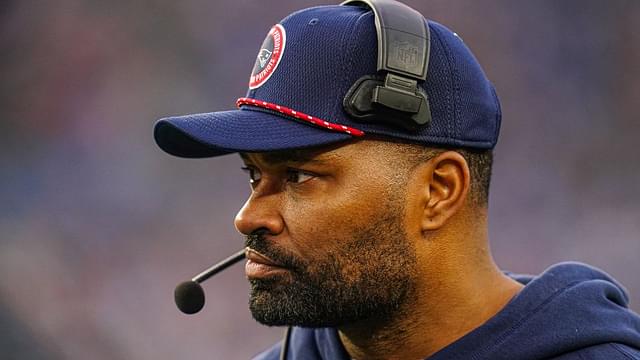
(305, 67)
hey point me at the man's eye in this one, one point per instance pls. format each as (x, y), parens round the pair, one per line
(254, 174)
(298, 176)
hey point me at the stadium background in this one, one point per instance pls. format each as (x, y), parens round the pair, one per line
(97, 225)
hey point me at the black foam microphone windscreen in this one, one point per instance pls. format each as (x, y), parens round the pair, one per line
(189, 295)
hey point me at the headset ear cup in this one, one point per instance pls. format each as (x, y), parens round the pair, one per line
(423, 117)
(359, 104)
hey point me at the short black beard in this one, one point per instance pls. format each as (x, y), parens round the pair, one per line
(372, 276)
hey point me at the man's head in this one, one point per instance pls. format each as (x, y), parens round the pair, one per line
(346, 225)
(335, 220)
(346, 209)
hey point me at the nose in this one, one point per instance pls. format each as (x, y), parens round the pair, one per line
(260, 213)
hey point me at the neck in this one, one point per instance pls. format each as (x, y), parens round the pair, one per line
(464, 294)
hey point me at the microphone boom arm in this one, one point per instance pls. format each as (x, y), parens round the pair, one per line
(219, 267)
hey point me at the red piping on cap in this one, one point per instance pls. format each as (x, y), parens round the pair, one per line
(300, 116)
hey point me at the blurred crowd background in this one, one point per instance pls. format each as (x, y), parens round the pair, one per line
(97, 225)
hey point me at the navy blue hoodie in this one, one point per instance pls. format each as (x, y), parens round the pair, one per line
(571, 311)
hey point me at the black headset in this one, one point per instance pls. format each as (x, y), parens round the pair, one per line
(393, 97)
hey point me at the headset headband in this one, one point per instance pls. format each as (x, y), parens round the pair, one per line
(399, 27)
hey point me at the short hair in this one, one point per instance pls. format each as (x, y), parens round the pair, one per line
(480, 162)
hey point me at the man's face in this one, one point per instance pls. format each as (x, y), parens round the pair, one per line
(326, 235)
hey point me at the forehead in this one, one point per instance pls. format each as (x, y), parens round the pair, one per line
(364, 152)
(279, 157)
(316, 154)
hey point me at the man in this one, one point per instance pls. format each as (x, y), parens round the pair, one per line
(366, 229)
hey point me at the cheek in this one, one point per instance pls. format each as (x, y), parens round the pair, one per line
(318, 229)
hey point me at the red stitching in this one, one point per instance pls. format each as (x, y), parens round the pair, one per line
(300, 116)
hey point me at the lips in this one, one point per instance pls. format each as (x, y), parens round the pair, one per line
(260, 266)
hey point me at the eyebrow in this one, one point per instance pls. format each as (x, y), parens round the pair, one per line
(290, 156)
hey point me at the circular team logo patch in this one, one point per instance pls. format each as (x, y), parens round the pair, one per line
(269, 56)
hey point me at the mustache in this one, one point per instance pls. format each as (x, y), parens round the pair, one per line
(257, 242)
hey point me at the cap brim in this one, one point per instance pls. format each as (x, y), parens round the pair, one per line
(219, 133)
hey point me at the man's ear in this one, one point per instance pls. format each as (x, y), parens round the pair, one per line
(447, 183)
